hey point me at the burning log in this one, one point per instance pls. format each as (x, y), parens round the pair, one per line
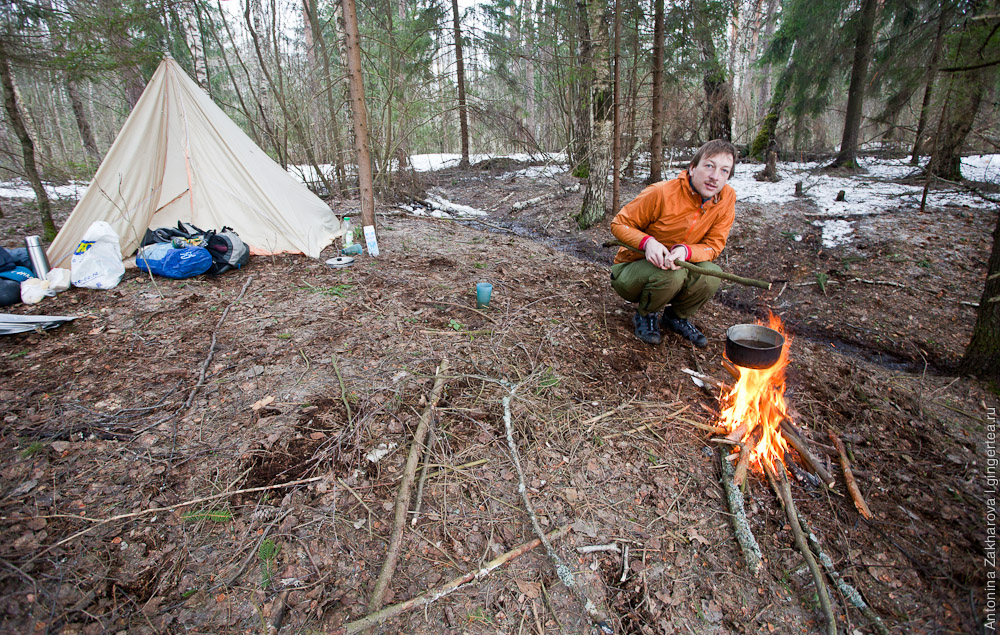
(734, 498)
(784, 493)
(743, 462)
(731, 369)
(811, 461)
(852, 485)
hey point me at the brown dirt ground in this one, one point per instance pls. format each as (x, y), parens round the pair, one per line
(314, 367)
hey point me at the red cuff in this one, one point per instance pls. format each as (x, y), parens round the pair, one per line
(642, 243)
(686, 249)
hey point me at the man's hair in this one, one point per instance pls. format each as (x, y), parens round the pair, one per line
(714, 147)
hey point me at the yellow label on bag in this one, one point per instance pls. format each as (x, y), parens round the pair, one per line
(83, 246)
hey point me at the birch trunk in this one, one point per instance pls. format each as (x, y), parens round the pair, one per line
(595, 198)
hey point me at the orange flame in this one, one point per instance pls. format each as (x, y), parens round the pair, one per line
(758, 401)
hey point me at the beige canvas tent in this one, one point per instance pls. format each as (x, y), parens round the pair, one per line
(179, 157)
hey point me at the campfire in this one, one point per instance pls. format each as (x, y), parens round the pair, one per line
(754, 410)
(755, 421)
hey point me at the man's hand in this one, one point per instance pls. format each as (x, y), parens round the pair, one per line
(664, 258)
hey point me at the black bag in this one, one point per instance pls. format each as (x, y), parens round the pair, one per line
(227, 249)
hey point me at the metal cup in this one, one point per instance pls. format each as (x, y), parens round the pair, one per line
(39, 261)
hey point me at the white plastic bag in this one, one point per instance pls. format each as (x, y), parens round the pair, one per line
(59, 279)
(34, 290)
(97, 261)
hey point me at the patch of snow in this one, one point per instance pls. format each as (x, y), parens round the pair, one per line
(432, 162)
(377, 453)
(982, 167)
(835, 232)
(867, 193)
(17, 188)
(537, 172)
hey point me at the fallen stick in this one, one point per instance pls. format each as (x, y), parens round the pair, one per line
(784, 492)
(813, 463)
(374, 619)
(403, 495)
(423, 478)
(562, 569)
(343, 388)
(612, 546)
(704, 426)
(740, 474)
(852, 485)
(848, 591)
(211, 349)
(711, 381)
(734, 499)
(750, 282)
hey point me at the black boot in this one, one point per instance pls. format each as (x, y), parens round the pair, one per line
(646, 328)
(683, 328)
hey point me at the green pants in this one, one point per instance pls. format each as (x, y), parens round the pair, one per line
(653, 288)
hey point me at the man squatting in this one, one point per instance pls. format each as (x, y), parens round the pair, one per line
(693, 215)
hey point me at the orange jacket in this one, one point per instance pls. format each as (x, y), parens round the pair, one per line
(673, 213)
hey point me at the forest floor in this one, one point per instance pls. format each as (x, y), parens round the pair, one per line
(127, 509)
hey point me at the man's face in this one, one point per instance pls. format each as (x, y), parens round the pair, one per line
(711, 173)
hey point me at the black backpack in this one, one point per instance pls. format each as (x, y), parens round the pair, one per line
(227, 249)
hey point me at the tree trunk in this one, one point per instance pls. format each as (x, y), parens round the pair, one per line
(656, 139)
(352, 48)
(716, 85)
(82, 123)
(982, 355)
(616, 145)
(766, 140)
(720, 120)
(329, 82)
(856, 92)
(932, 67)
(962, 104)
(188, 14)
(595, 198)
(27, 146)
(463, 117)
(579, 146)
(630, 139)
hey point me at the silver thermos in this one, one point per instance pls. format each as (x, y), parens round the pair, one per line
(39, 262)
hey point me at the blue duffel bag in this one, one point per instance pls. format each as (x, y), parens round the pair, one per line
(163, 260)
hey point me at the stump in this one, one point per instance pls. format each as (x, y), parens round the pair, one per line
(770, 171)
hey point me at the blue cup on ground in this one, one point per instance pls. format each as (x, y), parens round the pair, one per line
(483, 292)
